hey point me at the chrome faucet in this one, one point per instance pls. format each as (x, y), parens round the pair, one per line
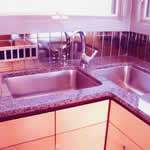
(85, 59)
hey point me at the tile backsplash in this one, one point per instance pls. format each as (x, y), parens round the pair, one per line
(55, 45)
(139, 46)
(107, 43)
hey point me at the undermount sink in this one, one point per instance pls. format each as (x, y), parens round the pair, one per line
(51, 82)
(132, 78)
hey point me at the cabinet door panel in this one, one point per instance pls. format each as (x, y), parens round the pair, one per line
(26, 129)
(81, 116)
(10, 148)
(132, 126)
(42, 144)
(117, 140)
(88, 138)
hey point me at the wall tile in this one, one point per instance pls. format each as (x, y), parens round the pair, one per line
(5, 37)
(107, 43)
(139, 46)
(123, 44)
(90, 37)
(131, 44)
(98, 42)
(115, 44)
(147, 51)
(142, 47)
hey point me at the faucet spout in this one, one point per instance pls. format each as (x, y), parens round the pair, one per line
(85, 59)
(82, 36)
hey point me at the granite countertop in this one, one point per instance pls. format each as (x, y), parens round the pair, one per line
(11, 108)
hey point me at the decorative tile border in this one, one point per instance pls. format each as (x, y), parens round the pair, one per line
(107, 43)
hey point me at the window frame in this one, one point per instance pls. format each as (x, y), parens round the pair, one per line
(144, 11)
(143, 8)
(45, 23)
(116, 16)
(59, 14)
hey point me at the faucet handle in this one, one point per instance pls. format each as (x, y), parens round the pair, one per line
(93, 55)
(86, 58)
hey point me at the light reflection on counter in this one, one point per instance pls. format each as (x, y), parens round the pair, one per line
(144, 106)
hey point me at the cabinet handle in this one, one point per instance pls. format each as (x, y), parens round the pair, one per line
(124, 147)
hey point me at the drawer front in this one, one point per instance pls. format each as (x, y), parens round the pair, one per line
(88, 138)
(26, 129)
(116, 140)
(81, 116)
(42, 144)
(129, 124)
(10, 148)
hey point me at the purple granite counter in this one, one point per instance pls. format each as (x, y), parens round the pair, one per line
(11, 108)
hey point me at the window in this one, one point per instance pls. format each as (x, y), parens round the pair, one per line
(147, 13)
(146, 9)
(144, 106)
(65, 7)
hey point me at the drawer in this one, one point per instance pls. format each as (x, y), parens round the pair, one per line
(88, 138)
(26, 129)
(42, 144)
(116, 140)
(81, 116)
(129, 124)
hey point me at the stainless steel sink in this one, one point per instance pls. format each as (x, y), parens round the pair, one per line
(31, 85)
(130, 77)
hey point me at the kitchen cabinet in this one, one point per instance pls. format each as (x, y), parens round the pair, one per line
(87, 138)
(134, 128)
(81, 116)
(82, 127)
(10, 148)
(117, 140)
(38, 132)
(26, 129)
(41, 144)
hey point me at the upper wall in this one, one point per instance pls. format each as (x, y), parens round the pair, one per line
(137, 25)
(31, 24)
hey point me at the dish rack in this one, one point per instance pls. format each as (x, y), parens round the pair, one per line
(16, 53)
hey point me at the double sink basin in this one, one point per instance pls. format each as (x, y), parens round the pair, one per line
(133, 78)
(51, 82)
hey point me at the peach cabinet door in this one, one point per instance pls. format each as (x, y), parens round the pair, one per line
(132, 126)
(118, 141)
(42, 144)
(81, 116)
(25, 129)
(10, 148)
(88, 138)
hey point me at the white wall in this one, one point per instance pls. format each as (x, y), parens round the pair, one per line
(137, 24)
(31, 24)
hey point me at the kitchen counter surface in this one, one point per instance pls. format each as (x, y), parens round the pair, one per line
(11, 108)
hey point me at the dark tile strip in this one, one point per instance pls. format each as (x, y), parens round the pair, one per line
(107, 43)
(147, 45)
(112, 35)
(120, 38)
(102, 43)
(128, 40)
